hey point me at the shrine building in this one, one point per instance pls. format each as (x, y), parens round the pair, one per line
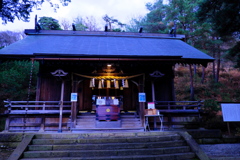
(94, 80)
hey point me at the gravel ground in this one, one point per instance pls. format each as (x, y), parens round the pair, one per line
(222, 151)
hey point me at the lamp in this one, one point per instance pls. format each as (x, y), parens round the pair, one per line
(125, 83)
(102, 83)
(99, 84)
(116, 85)
(108, 84)
(92, 83)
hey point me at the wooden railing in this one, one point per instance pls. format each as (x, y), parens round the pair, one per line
(179, 106)
(37, 107)
(183, 113)
(36, 112)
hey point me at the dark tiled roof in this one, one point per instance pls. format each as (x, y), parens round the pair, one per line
(102, 44)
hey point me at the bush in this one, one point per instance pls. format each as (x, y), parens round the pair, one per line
(14, 81)
(215, 123)
(2, 123)
(211, 106)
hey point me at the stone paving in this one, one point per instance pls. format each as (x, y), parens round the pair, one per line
(222, 151)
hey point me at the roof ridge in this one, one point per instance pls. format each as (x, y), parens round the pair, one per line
(101, 33)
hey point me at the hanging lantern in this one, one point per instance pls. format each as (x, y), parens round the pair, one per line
(92, 83)
(108, 84)
(125, 84)
(116, 85)
(100, 84)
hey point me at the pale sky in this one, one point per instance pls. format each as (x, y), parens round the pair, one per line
(123, 10)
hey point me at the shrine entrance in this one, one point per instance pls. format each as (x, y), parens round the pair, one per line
(106, 98)
(124, 90)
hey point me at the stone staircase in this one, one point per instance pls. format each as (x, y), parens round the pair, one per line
(106, 146)
(87, 122)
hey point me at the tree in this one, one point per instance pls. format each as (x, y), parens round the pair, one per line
(91, 24)
(21, 9)
(225, 17)
(135, 24)
(223, 14)
(154, 21)
(79, 23)
(14, 80)
(182, 16)
(66, 24)
(49, 23)
(110, 20)
(9, 37)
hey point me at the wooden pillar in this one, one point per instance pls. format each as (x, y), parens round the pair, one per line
(61, 108)
(7, 122)
(153, 91)
(73, 106)
(39, 79)
(142, 104)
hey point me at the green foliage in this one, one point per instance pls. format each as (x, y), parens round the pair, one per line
(110, 21)
(211, 106)
(79, 23)
(237, 132)
(215, 123)
(2, 123)
(223, 14)
(234, 54)
(11, 9)
(14, 80)
(49, 23)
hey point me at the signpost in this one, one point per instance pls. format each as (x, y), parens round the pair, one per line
(231, 113)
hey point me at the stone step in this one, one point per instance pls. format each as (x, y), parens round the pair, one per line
(104, 130)
(88, 121)
(110, 146)
(175, 156)
(97, 153)
(105, 135)
(104, 140)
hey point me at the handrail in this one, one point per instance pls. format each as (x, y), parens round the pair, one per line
(178, 105)
(36, 106)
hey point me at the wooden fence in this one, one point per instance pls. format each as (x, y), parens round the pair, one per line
(37, 115)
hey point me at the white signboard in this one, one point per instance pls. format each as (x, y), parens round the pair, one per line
(231, 112)
(142, 97)
(101, 102)
(115, 102)
(73, 97)
(151, 105)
